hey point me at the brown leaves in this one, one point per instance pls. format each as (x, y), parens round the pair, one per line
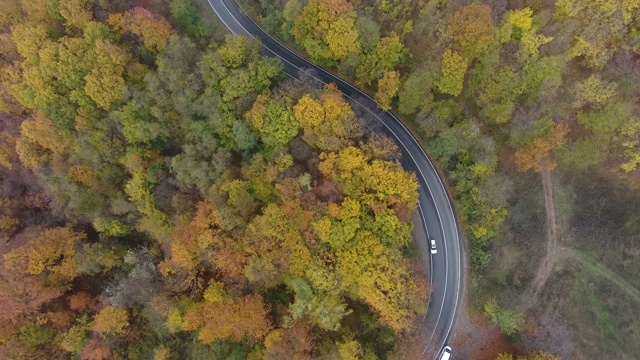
(296, 342)
(535, 155)
(471, 28)
(152, 29)
(81, 301)
(192, 240)
(95, 350)
(235, 319)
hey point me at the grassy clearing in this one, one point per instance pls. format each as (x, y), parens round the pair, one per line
(590, 308)
(520, 247)
(598, 269)
(605, 318)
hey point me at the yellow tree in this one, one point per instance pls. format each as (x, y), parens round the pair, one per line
(349, 349)
(111, 320)
(48, 252)
(7, 149)
(328, 123)
(372, 182)
(381, 278)
(76, 13)
(537, 355)
(388, 87)
(105, 83)
(246, 317)
(274, 244)
(326, 30)
(454, 67)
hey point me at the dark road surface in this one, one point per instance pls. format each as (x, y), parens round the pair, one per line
(434, 206)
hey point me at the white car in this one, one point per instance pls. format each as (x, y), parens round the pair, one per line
(433, 247)
(446, 353)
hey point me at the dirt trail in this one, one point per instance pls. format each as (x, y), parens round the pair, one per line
(556, 252)
(553, 229)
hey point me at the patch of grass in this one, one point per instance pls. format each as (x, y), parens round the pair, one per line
(564, 196)
(606, 320)
(607, 223)
(597, 269)
(519, 248)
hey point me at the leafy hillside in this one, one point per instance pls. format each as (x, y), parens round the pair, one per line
(171, 197)
(531, 109)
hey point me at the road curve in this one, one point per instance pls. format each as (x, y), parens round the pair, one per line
(434, 206)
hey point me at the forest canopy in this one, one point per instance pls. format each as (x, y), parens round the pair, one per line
(167, 196)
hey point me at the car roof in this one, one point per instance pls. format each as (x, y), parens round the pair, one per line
(446, 353)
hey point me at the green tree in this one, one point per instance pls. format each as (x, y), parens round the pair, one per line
(415, 94)
(369, 32)
(511, 323)
(499, 96)
(276, 123)
(201, 162)
(388, 55)
(188, 17)
(324, 311)
(77, 336)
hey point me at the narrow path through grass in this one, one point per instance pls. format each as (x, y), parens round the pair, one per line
(598, 269)
(548, 263)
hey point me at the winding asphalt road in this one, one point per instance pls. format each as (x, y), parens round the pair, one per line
(434, 206)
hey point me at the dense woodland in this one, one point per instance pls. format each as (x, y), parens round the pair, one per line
(527, 78)
(169, 196)
(168, 193)
(502, 92)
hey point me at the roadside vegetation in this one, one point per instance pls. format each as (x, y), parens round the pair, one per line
(530, 109)
(167, 193)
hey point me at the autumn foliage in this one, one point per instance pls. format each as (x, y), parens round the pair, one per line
(536, 155)
(164, 192)
(326, 29)
(152, 29)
